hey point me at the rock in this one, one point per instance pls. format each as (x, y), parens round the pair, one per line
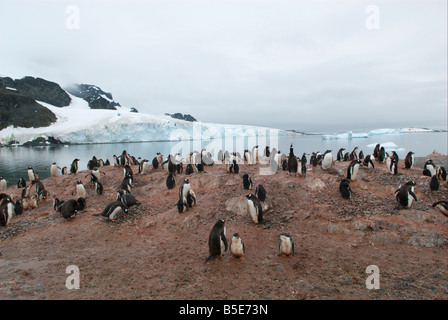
(427, 239)
(181, 116)
(43, 90)
(95, 96)
(237, 205)
(313, 184)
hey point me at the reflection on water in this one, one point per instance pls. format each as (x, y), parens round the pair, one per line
(14, 161)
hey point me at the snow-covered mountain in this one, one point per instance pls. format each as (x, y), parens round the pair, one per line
(78, 123)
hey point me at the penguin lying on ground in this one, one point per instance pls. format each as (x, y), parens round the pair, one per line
(442, 206)
(70, 208)
(114, 210)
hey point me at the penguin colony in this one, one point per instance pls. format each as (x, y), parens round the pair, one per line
(34, 193)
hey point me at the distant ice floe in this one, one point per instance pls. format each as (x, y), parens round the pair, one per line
(358, 135)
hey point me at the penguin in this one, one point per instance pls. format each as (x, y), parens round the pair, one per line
(260, 192)
(367, 162)
(21, 183)
(127, 171)
(184, 188)
(405, 194)
(286, 245)
(7, 211)
(255, 154)
(352, 169)
(284, 165)
(275, 161)
(267, 152)
(292, 162)
(353, 155)
(98, 187)
(409, 160)
(97, 173)
(431, 166)
(70, 208)
(53, 169)
(127, 199)
(247, 181)
(442, 173)
(74, 166)
(43, 195)
(18, 207)
(361, 155)
(392, 165)
(114, 210)
(179, 168)
(427, 173)
(26, 192)
(155, 163)
(217, 241)
(124, 158)
(191, 199)
(144, 166)
(4, 197)
(116, 162)
(126, 184)
(381, 155)
(255, 208)
(56, 204)
(182, 205)
(34, 201)
(64, 171)
(237, 247)
(189, 169)
(442, 206)
(31, 173)
(347, 156)
(303, 169)
(434, 184)
(340, 155)
(303, 160)
(80, 190)
(170, 182)
(344, 188)
(3, 184)
(39, 185)
(327, 160)
(313, 159)
(376, 150)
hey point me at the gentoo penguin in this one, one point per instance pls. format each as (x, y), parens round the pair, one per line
(434, 184)
(126, 184)
(155, 163)
(247, 181)
(21, 183)
(442, 173)
(327, 160)
(313, 159)
(361, 155)
(275, 160)
(344, 188)
(367, 162)
(303, 160)
(255, 154)
(189, 169)
(303, 168)
(31, 174)
(80, 190)
(381, 155)
(409, 160)
(191, 199)
(376, 151)
(43, 194)
(392, 165)
(39, 185)
(7, 211)
(405, 194)
(127, 198)
(170, 181)
(353, 155)
(352, 169)
(182, 205)
(431, 166)
(116, 161)
(70, 208)
(3, 184)
(74, 166)
(56, 204)
(184, 188)
(340, 155)
(255, 209)
(64, 171)
(98, 187)
(53, 169)
(347, 156)
(260, 192)
(286, 245)
(127, 171)
(217, 241)
(114, 210)
(97, 173)
(237, 247)
(18, 207)
(442, 206)
(292, 162)
(267, 152)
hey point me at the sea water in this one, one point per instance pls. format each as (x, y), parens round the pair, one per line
(14, 161)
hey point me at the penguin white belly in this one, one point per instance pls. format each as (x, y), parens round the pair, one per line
(355, 172)
(286, 246)
(53, 170)
(9, 212)
(3, 185)
(114, 214)
(327, 161)
(80, 191)
(237, 248)
(30, 175)
(253, 211)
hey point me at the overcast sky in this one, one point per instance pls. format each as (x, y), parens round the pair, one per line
(303, 65)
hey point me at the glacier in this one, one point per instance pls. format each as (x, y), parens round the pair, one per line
(79, 124)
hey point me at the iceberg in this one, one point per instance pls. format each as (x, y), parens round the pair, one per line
(382, 132)
(350, 135)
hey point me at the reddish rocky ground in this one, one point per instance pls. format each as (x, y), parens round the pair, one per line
(156, 253)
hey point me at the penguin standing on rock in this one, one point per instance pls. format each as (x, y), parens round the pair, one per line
(74, 166)
(255, 208)
(405, 194)
(217, 241)
(286, 246)
(237, 247)
(260, 192)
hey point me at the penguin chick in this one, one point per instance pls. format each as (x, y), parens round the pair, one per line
(237, 247)
(442, 206)
(286, 246)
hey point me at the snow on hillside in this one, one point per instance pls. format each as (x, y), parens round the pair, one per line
(78, 123)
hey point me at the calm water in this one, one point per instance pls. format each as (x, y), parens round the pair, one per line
(14, 161)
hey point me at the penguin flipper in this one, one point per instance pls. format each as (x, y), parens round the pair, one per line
(413, 195)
